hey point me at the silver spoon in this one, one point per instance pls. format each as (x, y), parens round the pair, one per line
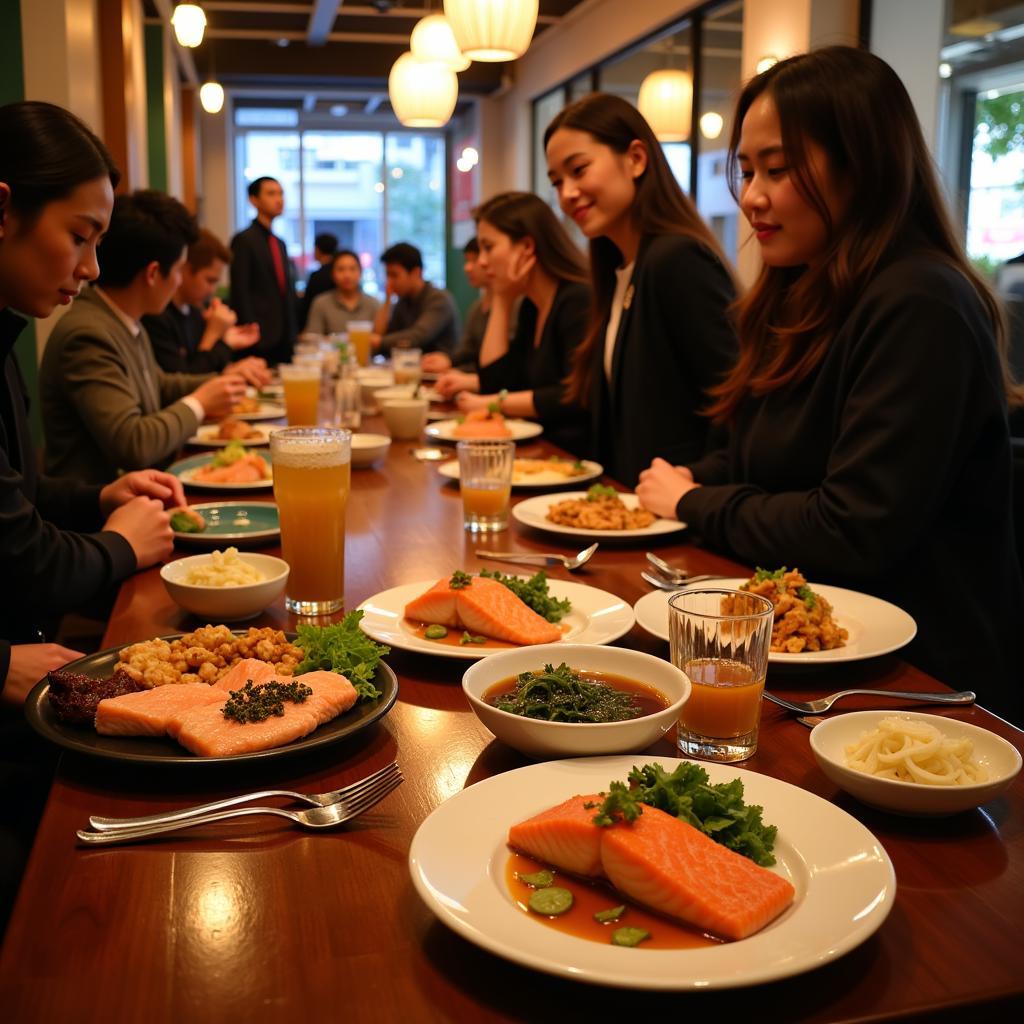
(572, 564)
(679, 585)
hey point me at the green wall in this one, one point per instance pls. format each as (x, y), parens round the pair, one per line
(12, 89)
(156, 126)
(463, 294)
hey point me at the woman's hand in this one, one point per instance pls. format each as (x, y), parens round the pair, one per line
(467, 402)
(513, 283)
(149, 483)
(29, 663)
(436, 362)
(662, 485)
(454, 381)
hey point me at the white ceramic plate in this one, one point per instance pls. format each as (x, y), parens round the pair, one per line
(266, 411)
(597, 617)
(185, 470)
(521, 430)
(875, 626)
(845, 883)
(545, 478)
(533, 512)
(206, 437)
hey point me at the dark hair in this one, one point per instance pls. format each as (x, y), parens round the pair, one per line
(326, 242)
(255, 186)
(404, 254)
(46, 154)
(471, 247)
(207, 248)
(346, 252)
(524, 215)
(146, 226)
(853, 106)
(660, 207)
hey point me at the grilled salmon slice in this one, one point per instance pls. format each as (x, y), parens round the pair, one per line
(673, 868)
(206, 732)
(564, 836)
(436, 605)
(248, 668)
(149, 712)
(332, 694)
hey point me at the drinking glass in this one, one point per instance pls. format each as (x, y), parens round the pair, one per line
(485, 481)
(407, 364)
(348, 400)
(312, 478)
(720, 639)
(301, 382)
(359, 332)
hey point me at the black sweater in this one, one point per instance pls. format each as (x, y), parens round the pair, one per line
(543, 368)
(175, 338)
(675, 340)
(46, 570)
(888, 470)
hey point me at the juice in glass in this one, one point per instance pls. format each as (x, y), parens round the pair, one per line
(301, 393)
(485, 481)
(407, 366)
(359, 332)
(312, 478)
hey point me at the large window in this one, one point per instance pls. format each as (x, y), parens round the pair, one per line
(370, 189)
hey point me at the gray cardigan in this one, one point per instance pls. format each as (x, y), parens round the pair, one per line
(107, 406)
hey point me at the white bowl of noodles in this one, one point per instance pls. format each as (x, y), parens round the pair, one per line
(854, 737)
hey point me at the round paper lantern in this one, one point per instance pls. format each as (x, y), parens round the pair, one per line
(211, 96)
(189, 23)
(666, 100)
(433, 40)
(711, 124)
(422, 93)
(492, 30)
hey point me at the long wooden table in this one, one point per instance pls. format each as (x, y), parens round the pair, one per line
(259, 921)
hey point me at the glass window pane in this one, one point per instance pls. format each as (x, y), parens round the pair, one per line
(544, 109)
(275, 154)
(581, 86)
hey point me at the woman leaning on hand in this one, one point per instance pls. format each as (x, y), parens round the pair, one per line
(868, 411)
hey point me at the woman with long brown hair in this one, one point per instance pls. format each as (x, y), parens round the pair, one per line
(528, 257)
(868, 410)
(660, 334)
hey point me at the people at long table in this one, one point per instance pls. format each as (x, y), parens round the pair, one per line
(527, 255)
(868, 409)
(333, 310)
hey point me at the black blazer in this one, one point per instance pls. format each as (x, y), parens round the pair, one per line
(675, 340)
(175, 338)
(255, 295)
(320, 281)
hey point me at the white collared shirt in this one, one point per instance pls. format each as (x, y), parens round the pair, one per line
(623, 276)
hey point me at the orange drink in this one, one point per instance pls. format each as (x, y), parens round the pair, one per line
(407, 366)
(312, 478)
(359, 332)
(485, 480)
(725, 657)
(301, 393)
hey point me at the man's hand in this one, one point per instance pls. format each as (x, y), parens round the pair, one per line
(449, 384)
(253, 370)
(662, 485)
(145, 524)
(241, 336)
(219, 316)
(149, 483)
(219, 395)
(436, 362)
(29, 663)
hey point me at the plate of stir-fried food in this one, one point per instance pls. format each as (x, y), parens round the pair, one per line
(813, 623)
(598, 512)
(533, 473)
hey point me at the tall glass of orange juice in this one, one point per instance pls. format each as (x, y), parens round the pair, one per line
(312, 478)
(359, 332)
(720, 639)
(485, 481)
(301, 382)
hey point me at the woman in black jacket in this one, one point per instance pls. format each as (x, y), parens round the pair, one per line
(869, 442)
(660, 333)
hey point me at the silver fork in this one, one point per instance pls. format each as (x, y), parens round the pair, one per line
(350, 792)
(315, 818)
(681, 585)
(824, 703)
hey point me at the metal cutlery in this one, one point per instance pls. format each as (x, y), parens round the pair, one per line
(315, 818)
(661, 584)
(524, 558)
(347, 794)
(824, 703)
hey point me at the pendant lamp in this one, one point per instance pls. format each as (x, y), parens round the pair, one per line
(666, 101)
(422, 93)
(211, 96)
(433, 40)
(492, 30)
(189, 23)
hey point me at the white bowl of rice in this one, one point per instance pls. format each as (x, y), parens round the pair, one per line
(915, 764)
(225, 586)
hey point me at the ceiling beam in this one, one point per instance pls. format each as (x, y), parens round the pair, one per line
(343, 11)
(294, 35)
(321, 21)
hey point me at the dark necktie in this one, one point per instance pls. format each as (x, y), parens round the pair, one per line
(275, 256)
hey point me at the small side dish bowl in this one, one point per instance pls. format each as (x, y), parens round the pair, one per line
(228, 604)
(829, 740)
(542, 739)
(368, 448)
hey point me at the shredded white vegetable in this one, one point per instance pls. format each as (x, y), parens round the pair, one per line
(225, 569)
(906, 750)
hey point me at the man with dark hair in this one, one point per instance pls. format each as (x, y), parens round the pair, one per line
(465, 357)
(325, 245)
(107, 405)
(262, 280)
(197, 333)
(423, 317)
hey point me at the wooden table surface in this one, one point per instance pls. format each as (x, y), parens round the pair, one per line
(259, 921)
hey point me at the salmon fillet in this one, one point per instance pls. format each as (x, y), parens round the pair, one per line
(332, 694)
(149, 712)
(248, 668)
(564, 836)
(483, 606)
(206, 732)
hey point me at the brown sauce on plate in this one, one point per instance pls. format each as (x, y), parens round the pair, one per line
(455, 636)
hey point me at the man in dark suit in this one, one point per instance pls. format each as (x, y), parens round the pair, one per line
(321, 280)
(262, 280)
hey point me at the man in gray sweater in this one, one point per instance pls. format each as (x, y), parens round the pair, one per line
(107, 406)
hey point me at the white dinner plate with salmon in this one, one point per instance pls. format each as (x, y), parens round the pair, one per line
(186, 471)
(519, 430)
(162, 749)
(531, 474)
(597, 617)
(260, 411)
(534, 511)
(843, 879)
(875, 626)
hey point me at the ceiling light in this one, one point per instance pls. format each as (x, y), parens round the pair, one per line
(945, 70)
(711, 124)
(397, 172)
(463, 165)
(471, 156)
(766, 62)
(379, 187)
(211, 96)
(666, 101)
(189, 23)
(492, 30)
(433, 39)
(422, 93)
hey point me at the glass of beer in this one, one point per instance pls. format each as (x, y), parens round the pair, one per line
(301, 392)
(312, 477)
(359, 332)
(485, 481)
(407, 365)
(720, 639)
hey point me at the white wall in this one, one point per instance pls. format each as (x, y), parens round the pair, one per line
(216, 167)
(172, 115)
